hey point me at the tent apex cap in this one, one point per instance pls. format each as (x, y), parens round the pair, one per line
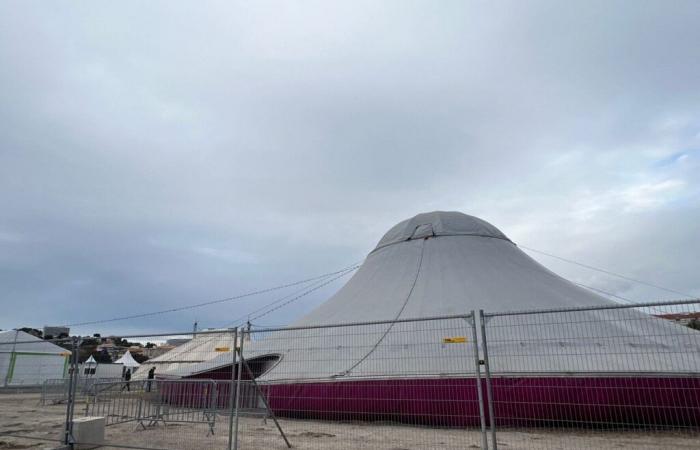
(439, 223)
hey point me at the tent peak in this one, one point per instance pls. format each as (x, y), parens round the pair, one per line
(127, 360)
(439, 223)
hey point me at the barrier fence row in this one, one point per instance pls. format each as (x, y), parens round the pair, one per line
(603, 376)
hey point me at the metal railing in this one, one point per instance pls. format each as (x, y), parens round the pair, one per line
(619, 370)
(594, 377)
(406, 381)
(55, 390)
(152, 402)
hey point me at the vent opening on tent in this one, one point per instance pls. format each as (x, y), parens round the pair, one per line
(262, 364)
(423, 231)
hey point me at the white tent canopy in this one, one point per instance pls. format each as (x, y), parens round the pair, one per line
(127, 360)
(449, 263)
(203, 347)
(27, 360)
(90, 361)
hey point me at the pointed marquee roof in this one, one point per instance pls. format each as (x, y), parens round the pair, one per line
(127, 360)
(449, 263)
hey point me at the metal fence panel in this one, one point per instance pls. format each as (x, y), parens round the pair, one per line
(612, 375)
(26, 363)
(594, 377)
(407, 384)
(173, 401)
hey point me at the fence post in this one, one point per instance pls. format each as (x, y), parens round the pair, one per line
(231, 397)
(72, 382)
(489, 386)
(8, 374)
(238, 385)
(213, 395)
(477, 372)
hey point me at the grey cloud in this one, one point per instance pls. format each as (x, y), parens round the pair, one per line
(163, 154)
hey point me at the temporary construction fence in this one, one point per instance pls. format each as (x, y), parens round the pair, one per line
(413, 374)
(619, 367)
(602, 374)
(151, 402)
(56, 390)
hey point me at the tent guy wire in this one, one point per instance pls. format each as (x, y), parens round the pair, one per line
(213, 302)
(347, 270)
(608, 272)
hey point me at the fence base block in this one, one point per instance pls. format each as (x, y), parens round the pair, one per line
(88, 432)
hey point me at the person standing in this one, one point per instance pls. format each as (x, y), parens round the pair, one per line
(151, 376)
(127, 380)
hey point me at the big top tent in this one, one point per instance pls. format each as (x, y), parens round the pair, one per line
(449, 263)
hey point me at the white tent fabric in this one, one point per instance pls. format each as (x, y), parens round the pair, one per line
(203, 347)
(104, 371)
(448, 263)
(90, 361)
(127, 360)
(27, 360)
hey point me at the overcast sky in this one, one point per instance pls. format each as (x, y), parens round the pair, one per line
(158, 154)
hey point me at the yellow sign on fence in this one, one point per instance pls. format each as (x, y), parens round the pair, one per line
(454, 340)
(222, 349)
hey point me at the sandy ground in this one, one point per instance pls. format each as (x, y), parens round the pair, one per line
(21, 414)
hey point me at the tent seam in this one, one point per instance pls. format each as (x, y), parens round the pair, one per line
(403, 307)
(437, 235)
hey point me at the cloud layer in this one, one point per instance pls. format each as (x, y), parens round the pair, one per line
(163, 154)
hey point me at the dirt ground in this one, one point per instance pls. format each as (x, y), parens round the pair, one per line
(21, 414)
